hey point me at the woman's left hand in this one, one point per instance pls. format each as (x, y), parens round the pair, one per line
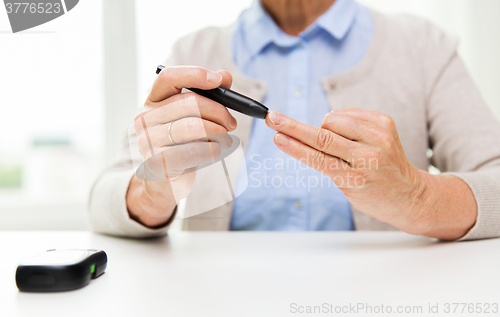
(361, 152)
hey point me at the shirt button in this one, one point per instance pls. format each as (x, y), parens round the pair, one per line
(297, 92)
(297, 204)
(298, 45)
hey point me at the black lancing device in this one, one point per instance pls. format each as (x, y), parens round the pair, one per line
(60, 270)
(231, 99)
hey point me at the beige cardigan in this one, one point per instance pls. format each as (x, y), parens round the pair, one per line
(411, 72)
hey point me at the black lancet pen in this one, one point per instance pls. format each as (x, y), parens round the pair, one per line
(231, 99)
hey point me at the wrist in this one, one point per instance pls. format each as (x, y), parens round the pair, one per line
(444, 207)
(420, 217)
(147, 208)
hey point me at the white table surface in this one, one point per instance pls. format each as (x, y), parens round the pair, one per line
(258, 273)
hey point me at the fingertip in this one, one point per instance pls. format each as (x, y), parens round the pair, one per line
(281, 139)
(233, 123)
(274, 119)
(227, 78)
(268, 120)
(214, 78)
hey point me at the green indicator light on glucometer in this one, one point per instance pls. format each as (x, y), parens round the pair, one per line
(92, 268)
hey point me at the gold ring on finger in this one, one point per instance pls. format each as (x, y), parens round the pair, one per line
(169, 132)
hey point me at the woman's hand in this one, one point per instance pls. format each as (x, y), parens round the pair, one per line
(176, 133)
(361, 152)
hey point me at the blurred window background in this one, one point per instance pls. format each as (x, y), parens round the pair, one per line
(52, 120)
(69, 89)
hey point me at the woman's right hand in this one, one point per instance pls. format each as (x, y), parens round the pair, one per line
(198, 128)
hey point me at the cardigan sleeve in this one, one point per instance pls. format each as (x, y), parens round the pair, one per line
(107, 204)
(465, 139)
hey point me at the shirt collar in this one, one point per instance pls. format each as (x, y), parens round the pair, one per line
(338, 19)
(259, 29)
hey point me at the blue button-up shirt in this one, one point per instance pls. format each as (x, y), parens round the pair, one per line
(283, 193)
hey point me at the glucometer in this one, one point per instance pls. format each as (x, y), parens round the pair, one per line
(60, 270)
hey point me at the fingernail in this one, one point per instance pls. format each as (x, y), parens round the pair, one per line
(275, 117)
(281, 139)
(232, 122)
(230, 141)
(214, 77)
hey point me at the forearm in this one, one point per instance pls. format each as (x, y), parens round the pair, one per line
(146, 207)
(448, 207)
